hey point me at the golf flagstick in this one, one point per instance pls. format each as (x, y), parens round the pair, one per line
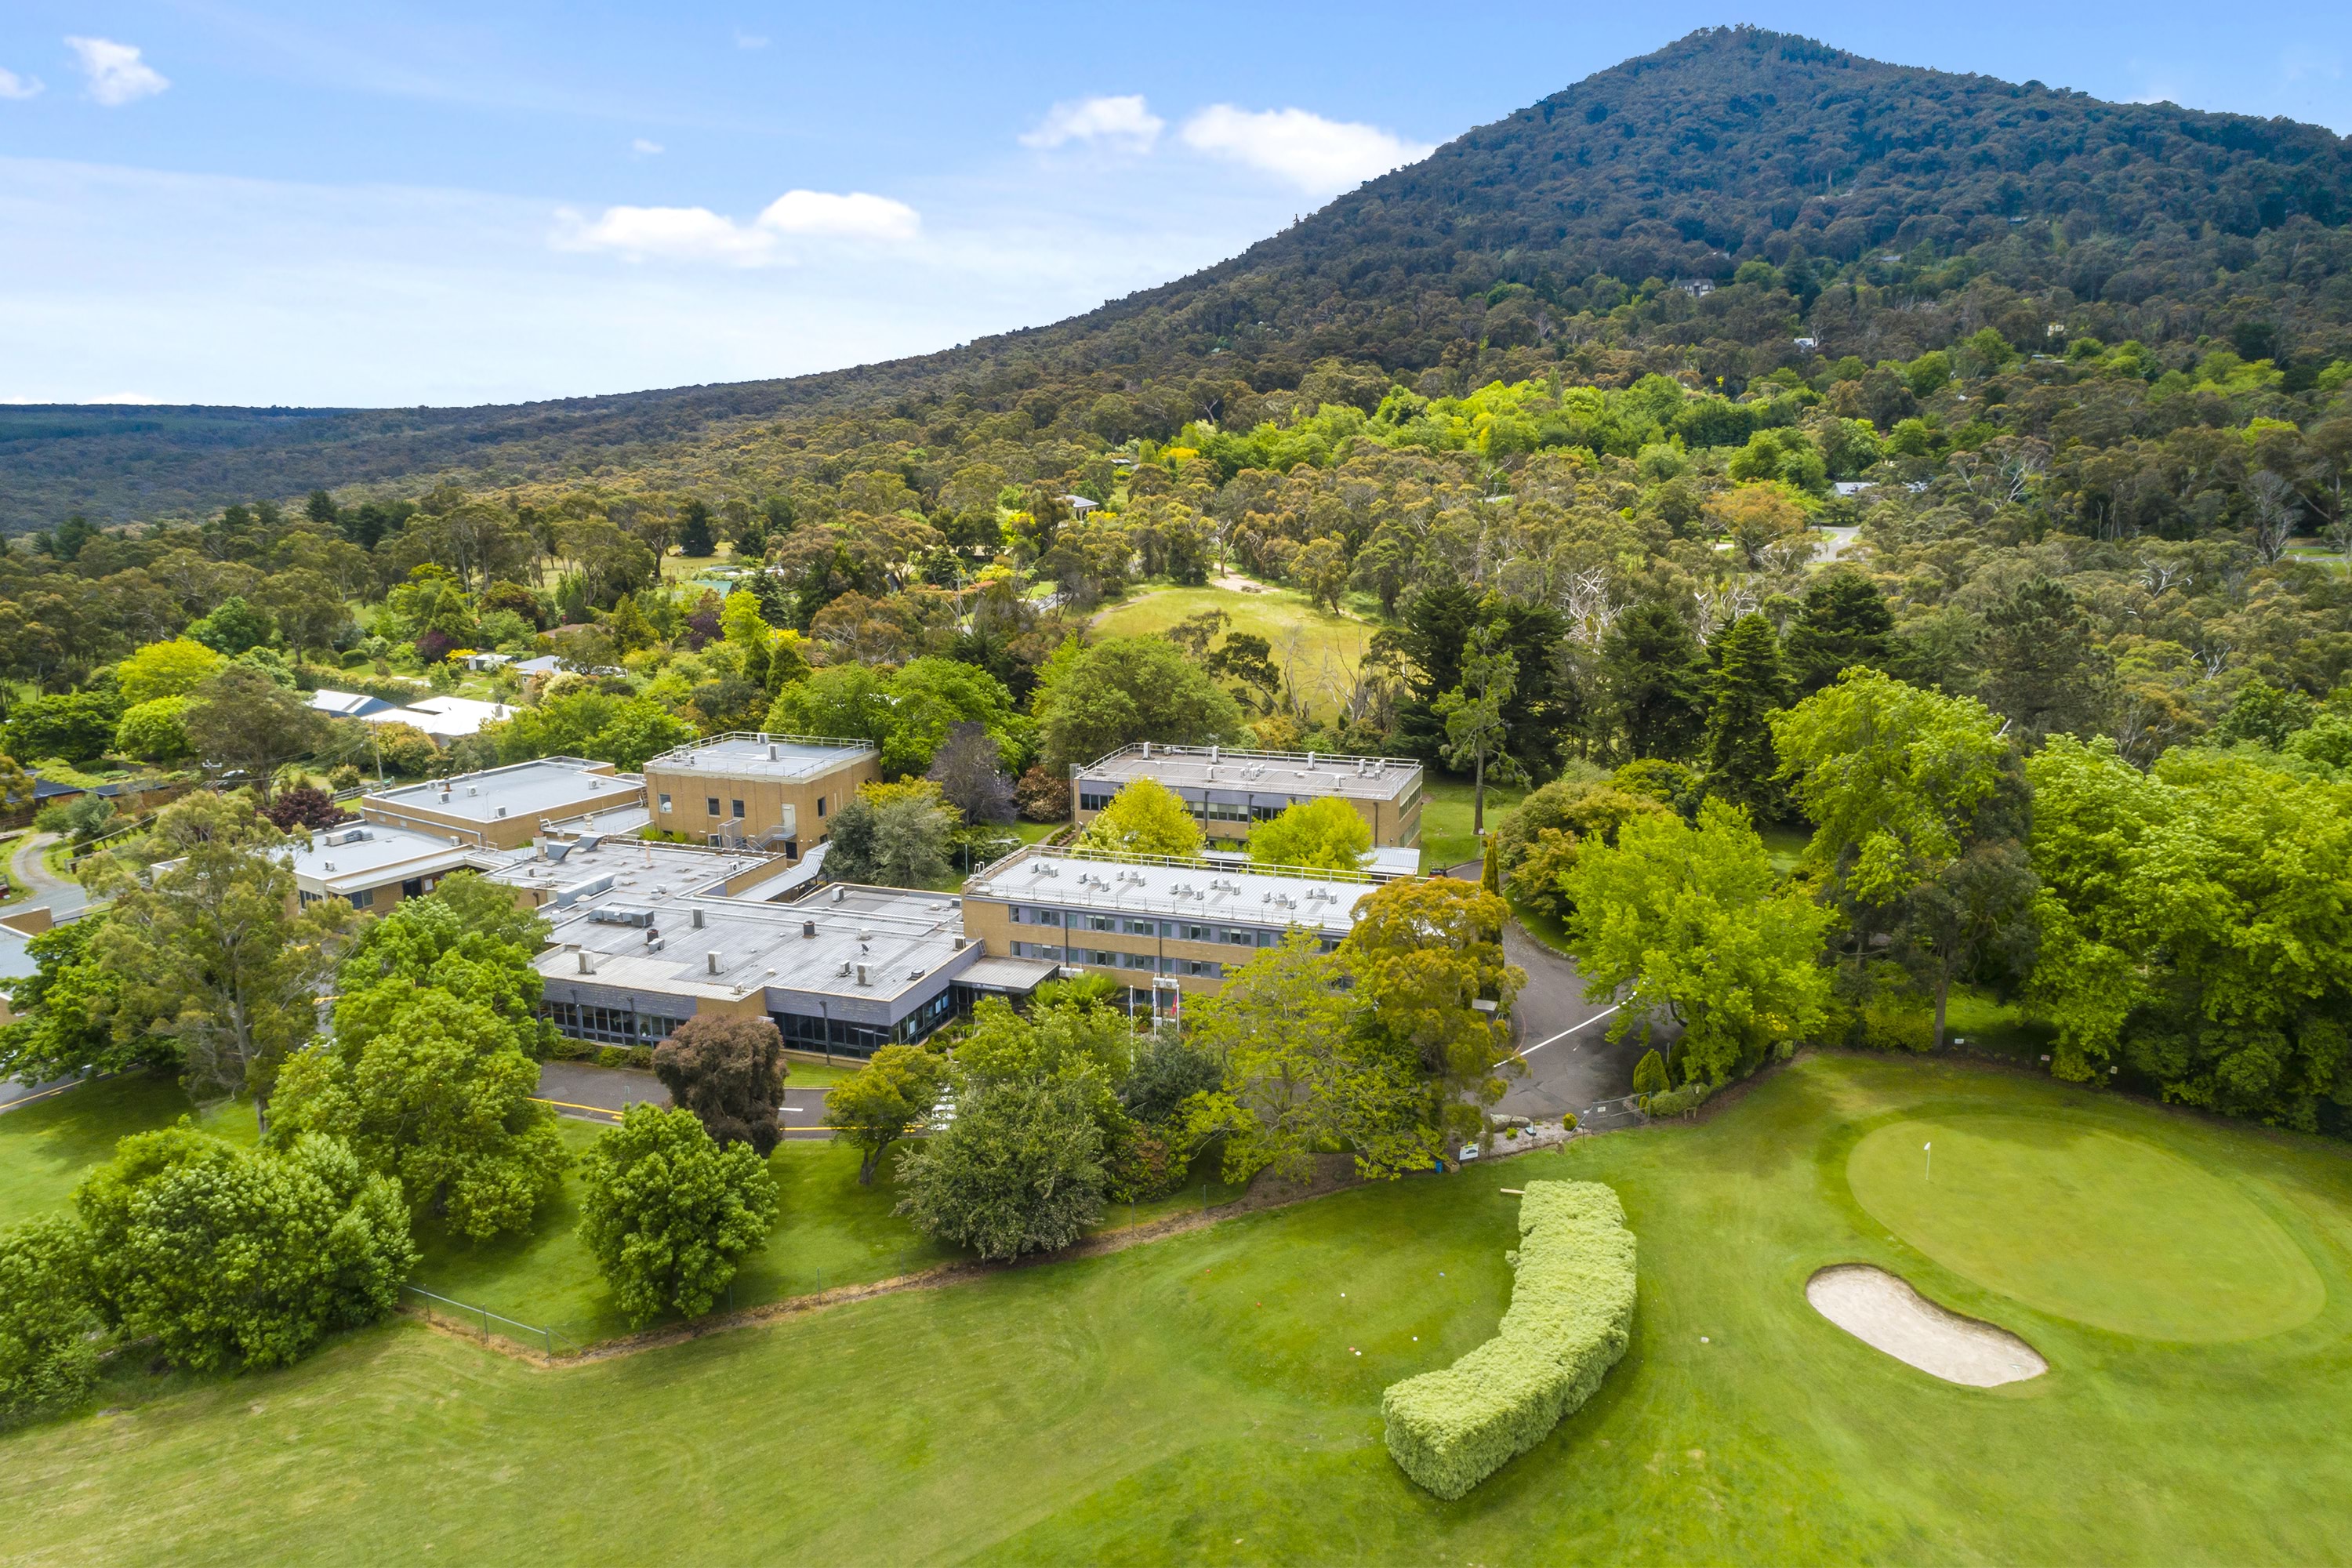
(1930, 1174)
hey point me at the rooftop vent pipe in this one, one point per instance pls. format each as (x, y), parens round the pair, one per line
(808, 931)
(698, 919)
(586, 967)
(771, 751)
(712, 959)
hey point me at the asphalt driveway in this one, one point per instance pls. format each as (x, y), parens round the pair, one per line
(600, 1094)
(1563, 1040)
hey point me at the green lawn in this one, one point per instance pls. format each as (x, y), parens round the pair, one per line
(1447, 811)
(1319, 651)
(1214, 1398)
(829, 1231)
(48, 1146)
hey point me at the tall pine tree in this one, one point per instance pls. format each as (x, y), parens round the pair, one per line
(695, 536)
(1748, 689)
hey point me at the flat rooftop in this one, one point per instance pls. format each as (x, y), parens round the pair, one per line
(1269, 773)
(369, 854)
(1180, 890)
(903, 938)
(551, 786)
(745, 755)
(588, 871)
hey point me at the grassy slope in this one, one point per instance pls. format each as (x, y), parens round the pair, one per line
(1320, 652)
(1200, 1399)
(1446, 812)
(829, 1231)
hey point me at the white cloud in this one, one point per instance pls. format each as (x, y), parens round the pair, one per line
(117, 75)
(203, 289)
(698, 234)
(856, 215)
(666, 234)
(1124, 122)
(15, 86)
(645, 149)
(749, 41)
(1318, 155)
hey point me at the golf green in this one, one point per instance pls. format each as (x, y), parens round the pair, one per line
(2090, 1225)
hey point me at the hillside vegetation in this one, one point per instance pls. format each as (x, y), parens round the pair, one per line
(1917, 205)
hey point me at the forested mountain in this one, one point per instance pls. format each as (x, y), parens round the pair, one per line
(1898, 209)
(1750, 434)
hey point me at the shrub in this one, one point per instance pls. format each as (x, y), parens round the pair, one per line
(1571, 1315)
(1676, 1101)
(667, 1214)
(641, 1057)
(1020, 1170)
(230, 1258)
(612, 1057)
(47, 1356)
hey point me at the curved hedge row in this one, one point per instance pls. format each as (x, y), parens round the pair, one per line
(1571, 1311)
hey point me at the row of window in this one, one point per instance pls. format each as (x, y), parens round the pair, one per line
(735, 807)
(1212, 810)
(414, 887)
(1174, 931)
(832, 1034)
(611, 1026)
(1104, 958)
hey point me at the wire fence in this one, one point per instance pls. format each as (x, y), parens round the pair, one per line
(555, 1340)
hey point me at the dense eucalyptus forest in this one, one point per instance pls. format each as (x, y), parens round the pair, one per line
(1947, 471)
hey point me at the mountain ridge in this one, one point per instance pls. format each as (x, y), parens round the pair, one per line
(1726, 146)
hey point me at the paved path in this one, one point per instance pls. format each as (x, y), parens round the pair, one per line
(1563, 1038)
(585, 1090)
(62, 898)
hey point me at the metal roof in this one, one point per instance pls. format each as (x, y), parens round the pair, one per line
(1185, 890)
(549, 786)
(749, 754)
(1290, 773)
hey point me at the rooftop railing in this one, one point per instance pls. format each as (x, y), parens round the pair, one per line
(682, 755)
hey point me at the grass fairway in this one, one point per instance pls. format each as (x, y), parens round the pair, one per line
(2088, 1223)
(1319, 651)
(1214, 1398)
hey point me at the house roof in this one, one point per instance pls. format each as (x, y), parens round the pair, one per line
(347, 704)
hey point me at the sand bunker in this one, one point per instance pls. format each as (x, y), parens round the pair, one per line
(1884, 1312)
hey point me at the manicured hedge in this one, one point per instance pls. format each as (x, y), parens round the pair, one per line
(1571, 1310)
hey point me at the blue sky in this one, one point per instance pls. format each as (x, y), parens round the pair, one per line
(267, 202)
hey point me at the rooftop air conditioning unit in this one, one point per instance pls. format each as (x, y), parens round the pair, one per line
(771, 751)
(861, 975)
(502, 811)
(808, 931)
(839, 892)
(712, 960)
(473, 790)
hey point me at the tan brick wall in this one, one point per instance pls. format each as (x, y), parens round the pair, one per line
(690, 790)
